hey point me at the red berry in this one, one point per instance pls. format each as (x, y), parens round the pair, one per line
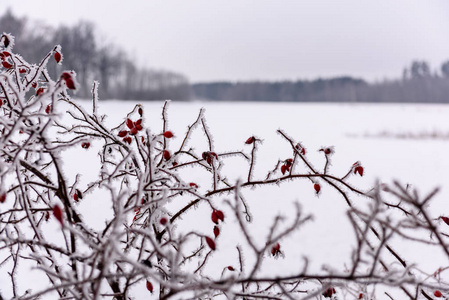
(437, 294)
(22, 70)
(231, 268)
(139, 127)
(57, 212)
(34, 85)
(317, 187)
(49, 108)
(75, 197)
(2, 198)
(149, 286)
(58, 57)
(127, 140)
(69, 82)
(122, 133)
(361, 296)
(194, 185)
(276, 249)
(40, 91)
(283, 169)
(214, 217)
(210, 242)
(250, 140)
(220, 215)
(140, 111)
(163, 221)
(129, 123)
(138, 122)
(6, 53)
(85, 145)
(133, 131)
(216, 231)
(359, 169)
(445, 219)
(6, 65)
(166, 154)
(6, 41)
(168, 134)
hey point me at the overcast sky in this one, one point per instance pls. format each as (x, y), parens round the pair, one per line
(210, 40)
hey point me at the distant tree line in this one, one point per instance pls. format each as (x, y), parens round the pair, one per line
(119, 76)
(417, 85)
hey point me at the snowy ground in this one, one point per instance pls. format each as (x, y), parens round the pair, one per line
(392, 141)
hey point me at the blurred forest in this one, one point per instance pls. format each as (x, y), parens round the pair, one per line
(92, 59)
(120, 78)
(417, 85)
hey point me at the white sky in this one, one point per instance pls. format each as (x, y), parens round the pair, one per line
(263, 39)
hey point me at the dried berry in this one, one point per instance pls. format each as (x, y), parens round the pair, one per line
(231, 268)
(214, 217)
(329, 292)
(276, 249)
(6, 41)
(149, 286)
(283, 169)
(210, 242)
(166, 154)
(359, 170)
(58, 57)
(445, 220)
(57, 213)
(216, 231)
(129, 123)
(140, 111)
(2, 198)
(69, 80)
(250, 140)
(6, 65)
(317, 187)
(220, 215)
(40, 91)
(168, 134)
(122, 133)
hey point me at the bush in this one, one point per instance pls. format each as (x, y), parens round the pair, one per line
(144, 242)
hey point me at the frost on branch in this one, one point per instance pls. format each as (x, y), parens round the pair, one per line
(144, 246)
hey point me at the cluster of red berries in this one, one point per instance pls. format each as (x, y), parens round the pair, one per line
(134, 128)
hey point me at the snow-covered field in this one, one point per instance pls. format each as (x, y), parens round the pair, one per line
(392, 141)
